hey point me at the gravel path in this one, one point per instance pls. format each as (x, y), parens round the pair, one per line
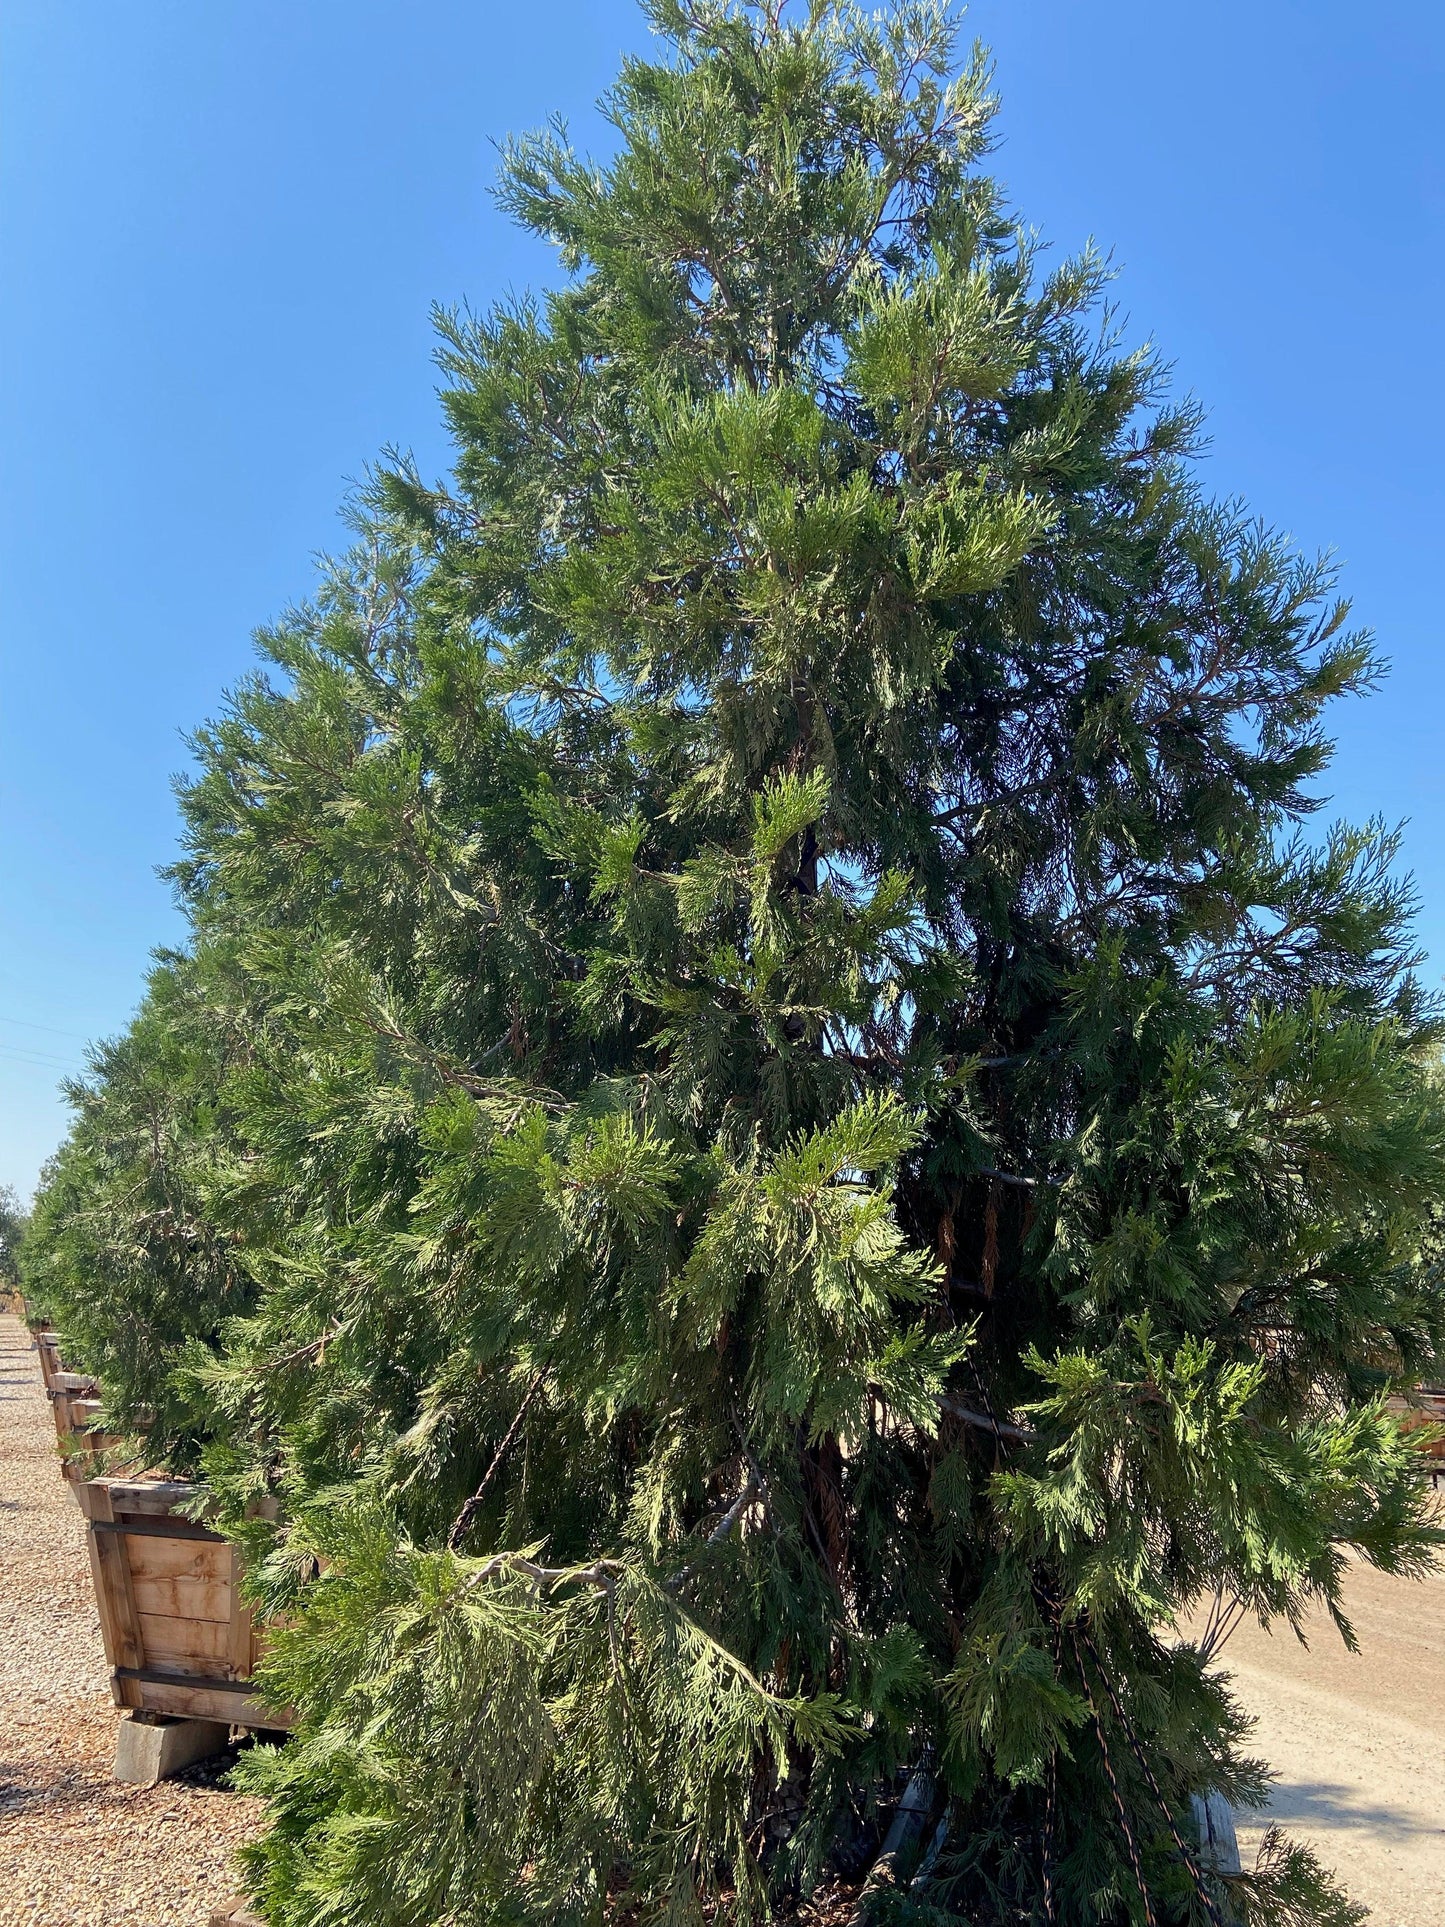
(77, 1850)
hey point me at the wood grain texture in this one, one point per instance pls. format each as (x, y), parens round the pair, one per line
(201, 1646)
(148, 1498)
(198, 1700)
(113, 1595)
(153, 1557)
(184, 1598)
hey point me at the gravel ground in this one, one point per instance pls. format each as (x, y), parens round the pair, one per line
(77, 1850)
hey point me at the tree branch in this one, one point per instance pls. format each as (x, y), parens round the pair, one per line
(986, 1422)
(469, 1510)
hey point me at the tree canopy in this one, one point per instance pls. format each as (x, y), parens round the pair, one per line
(779, 1139)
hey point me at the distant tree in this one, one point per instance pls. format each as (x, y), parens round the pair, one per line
(132, 1245)
(12, 1230)
(814, 1152)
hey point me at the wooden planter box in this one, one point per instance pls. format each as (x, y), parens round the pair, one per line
(47, 1344)
(75, 1403)
(177, 1636)
(67, 1388)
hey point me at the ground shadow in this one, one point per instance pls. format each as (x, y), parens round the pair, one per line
(73, 1790)
(1316, 1803)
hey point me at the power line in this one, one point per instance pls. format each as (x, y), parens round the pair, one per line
(28, 1023)
(39, 1060)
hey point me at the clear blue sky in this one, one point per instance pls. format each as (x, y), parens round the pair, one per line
(222, 223)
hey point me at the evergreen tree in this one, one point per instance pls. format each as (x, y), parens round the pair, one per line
(134, 1240)
(12, 1230)
(789, 1149)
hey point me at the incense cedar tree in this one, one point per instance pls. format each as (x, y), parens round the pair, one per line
(772, 1138)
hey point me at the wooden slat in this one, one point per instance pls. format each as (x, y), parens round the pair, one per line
(94, 1499)
(209, 1700)
(175, 1529)
(73, 1414)
(153, 1557)
(195, 1699)
(189, 1645)
(149, 1498)
(78, 1466)
(183, 1598)
(114, 1596)
(1422, 1408)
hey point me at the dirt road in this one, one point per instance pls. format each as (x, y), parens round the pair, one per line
(77, 1850)
(1358, 1742)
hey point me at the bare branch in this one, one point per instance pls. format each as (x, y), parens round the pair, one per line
(986, 1422)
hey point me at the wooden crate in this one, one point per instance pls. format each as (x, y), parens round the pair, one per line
(76, 1407)
(47, 1344)
(68, 1388)
(177, 1636)
(47, 1347)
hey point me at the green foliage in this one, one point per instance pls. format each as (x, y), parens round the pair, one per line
(12, 1231)
(777, 1141)
(470, 1713)
(137, 1240)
